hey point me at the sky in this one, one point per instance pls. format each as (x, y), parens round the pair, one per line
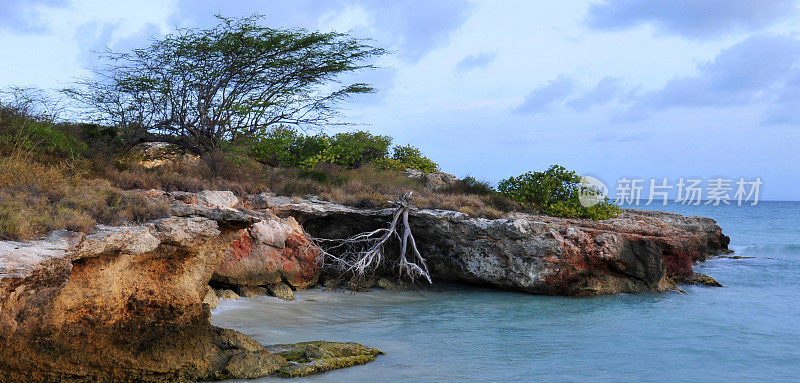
(614, 89)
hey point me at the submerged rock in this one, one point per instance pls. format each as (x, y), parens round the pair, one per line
(705, 280)
(308, 358)
(636, 252)
(388, 284)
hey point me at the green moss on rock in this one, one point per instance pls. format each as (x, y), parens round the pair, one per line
(308, 358)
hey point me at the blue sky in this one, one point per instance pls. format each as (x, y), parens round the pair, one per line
(618, 88)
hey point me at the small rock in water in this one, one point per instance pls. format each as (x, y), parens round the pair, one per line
(705, 280)
(282, 291)
(319, 356)
(252, 291)
(227, 294)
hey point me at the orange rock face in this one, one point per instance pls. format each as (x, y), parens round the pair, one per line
(270, 251)
(123, 304)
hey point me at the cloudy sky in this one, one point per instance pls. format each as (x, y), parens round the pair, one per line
(617, 88)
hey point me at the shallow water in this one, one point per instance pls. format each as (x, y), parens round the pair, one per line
(747, 331)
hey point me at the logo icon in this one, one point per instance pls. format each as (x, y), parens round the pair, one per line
(591, 191)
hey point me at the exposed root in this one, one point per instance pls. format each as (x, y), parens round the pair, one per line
(361, 255)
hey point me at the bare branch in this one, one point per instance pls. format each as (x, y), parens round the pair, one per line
(363, 254)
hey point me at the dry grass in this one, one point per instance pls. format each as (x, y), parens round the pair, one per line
(365, 187)
(39, 194)
(36, 198)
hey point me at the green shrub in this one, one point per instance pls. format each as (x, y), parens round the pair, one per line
(355, 149)
(284, 146)
(21, 131)
(554, 192)
(274, 147)
(407, 157)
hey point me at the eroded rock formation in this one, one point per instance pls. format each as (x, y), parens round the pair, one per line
(127, 303)
(267, 249)
(638, 251)
(124, 303)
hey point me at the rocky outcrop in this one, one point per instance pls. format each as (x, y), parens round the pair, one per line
(270, 251)
(124, 303)
(155, 154)
(266, 250)
(638, 251)
(127, 303)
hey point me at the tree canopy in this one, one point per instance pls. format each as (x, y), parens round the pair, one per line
(203, 88)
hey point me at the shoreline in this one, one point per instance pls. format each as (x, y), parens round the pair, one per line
(146, 285)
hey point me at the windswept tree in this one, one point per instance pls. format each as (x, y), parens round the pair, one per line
(203, 88)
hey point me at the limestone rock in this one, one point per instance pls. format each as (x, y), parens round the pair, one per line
(155, 154)
(211, 299)
(281, 290)
(251, 365)
(225, 216)
(216, 198)
(270, 251)
(227, 294)
(266, 249)
(122, 304)
(252, 291)
(635, 252)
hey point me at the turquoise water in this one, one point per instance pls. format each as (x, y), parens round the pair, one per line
(747, 331)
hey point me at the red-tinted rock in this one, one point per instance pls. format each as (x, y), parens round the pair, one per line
(270, 251)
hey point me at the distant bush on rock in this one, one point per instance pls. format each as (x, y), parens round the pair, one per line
(554, 192)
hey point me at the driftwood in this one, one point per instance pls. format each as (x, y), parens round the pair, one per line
(363, 254)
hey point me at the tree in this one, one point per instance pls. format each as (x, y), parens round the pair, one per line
(203, 88)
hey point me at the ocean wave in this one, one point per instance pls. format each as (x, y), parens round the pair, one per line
(773, 248)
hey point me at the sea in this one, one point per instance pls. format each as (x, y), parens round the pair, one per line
(746, 331)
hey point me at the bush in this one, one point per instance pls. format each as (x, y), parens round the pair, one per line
(407, 157)
(356, 149)
(554, 192)
(284, 146)
(21, 131)
(37, 198)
